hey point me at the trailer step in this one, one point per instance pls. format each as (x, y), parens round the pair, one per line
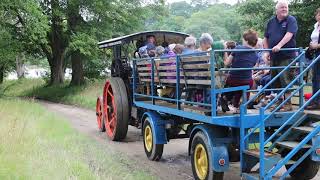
(292, 144)
(268, 154)
(256, 153)
(304, 129)
(290, 162)
(250, 176)
(252, 157)
(315, 124)
(253, 176)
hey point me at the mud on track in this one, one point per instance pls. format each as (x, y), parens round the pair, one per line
(175, 163)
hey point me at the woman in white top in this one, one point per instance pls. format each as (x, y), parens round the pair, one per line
(315, 44)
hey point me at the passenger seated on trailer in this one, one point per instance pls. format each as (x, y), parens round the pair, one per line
(148, 50)
(151, 39)
(218, 45)
(190, 45)
(240, 78)
(261, 77)
(159, 52)
(178, 49)
(230, 45)
(139, 44)
(151, 50)
(190, 48)
(174, 49)
(143, 52)
(205, 42)
(170, 51)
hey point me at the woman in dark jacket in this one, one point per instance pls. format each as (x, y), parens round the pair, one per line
(315, 44)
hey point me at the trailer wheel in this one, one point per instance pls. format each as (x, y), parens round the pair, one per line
(153, 151)
(116, 108)
(100, 115)
(308, 169)
(201, 157)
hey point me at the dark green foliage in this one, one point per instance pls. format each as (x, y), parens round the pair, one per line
(67, 31)
(8, 50)
(256, 13)
(304, 11)
(220, 20)
(262, 10)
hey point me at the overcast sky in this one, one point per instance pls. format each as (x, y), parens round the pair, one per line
(221, 1)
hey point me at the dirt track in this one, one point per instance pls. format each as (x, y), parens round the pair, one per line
(175, 163)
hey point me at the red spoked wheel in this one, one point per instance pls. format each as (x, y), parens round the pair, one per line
(100, 114)
(116, 108)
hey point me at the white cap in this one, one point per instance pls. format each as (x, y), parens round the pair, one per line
(172, 46)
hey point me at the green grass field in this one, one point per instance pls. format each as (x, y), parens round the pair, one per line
(36, 144)
(83, 96)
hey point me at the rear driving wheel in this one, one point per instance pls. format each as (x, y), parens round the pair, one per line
(116, 109)
(100, 115)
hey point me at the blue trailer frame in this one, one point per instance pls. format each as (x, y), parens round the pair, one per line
(248, 124)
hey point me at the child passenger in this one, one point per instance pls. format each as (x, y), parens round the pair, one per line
(244, 59)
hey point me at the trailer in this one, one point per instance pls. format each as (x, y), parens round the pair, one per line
(154, 94)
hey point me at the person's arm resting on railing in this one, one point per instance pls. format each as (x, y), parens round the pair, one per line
(265, 43)
(227, 59)
(287, 37)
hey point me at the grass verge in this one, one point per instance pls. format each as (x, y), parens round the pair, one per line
(36, 144)
(83, 96)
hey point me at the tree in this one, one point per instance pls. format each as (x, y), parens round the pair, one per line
(88, 21)
(155, 16)
(20, 67)
(181, 8)
(220, 20)
(10, 44)
(304, 10)
(261, 10)
(70, 29)
(8, 48)
(199, 5)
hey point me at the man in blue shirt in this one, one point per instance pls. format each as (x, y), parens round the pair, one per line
(280, 33)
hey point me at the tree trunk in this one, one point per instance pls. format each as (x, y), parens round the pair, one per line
(56, 71)
(1, 75)
(58, 43)
(74, 21)
(77, 69)
(20, 68)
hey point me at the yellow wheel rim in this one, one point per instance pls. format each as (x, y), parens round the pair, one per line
(201, 161)
(148, 138)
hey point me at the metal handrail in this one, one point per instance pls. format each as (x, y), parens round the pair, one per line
(257, 68)
(263, 90)
(285, 101)
(269, 115)
(296, 149)
(272, 80)
(291, 83)
(290, 119)
(282, 92)
(255, 50)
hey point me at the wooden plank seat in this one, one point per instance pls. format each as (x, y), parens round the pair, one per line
(194, 70)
